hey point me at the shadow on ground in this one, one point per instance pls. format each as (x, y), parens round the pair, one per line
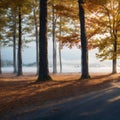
(22, 96)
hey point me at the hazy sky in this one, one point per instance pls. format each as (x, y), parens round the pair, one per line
(71, 58)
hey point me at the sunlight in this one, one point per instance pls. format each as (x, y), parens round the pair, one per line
(114, 99)
(116, 85)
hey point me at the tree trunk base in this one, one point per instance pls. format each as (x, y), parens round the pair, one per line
(114, 72)
(55, 72)
(19, 74)
(43, 78)
(85, 77)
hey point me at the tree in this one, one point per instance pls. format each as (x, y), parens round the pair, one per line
(60, 57)
(65, 18)
(52, 19)
(53, 38)
(14, 42)
(19, 72)
(35, 12)
(37, 40)
(107, 26)
(11, 33)
(26, 8)
(112, 12)
(2, 32)
(21, 10)
(21, 7)
(84, 43)
(43, 74)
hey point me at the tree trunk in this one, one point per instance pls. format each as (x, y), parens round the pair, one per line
(37, 43)
(114, 70)
(43, 74)
(84, 43)
(54, 41)
(0, 60)
(60, 57)
(14, 44)
(20, 46)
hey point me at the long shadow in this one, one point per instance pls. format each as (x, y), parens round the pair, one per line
(94, 106)
(101, 76)
(33, 90)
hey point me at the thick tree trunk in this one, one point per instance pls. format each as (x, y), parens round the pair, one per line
(37, 40)
(19, 72)
(14, 45)
(43, 74)
(84, 50)
(54, 41)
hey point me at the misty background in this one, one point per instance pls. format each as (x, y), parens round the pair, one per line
(71, 59)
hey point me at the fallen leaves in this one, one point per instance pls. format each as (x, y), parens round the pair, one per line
(20, 94)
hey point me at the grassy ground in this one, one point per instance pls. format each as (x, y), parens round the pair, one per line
(21, 94)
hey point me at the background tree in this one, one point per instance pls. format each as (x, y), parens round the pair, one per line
(52, 18)
(20, 9)
(107, 22)
(36, 24)
(3, 20)
(54, 40)
(64, 24)
(14, 41)
(60, 46)
(19, 72)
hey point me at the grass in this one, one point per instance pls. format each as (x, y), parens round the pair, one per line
(22, 94)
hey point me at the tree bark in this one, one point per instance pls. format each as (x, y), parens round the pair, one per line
(114, 69)
(114, 64)
(0, 60)
(84, 43)
(43, 74)
(60, 57)
(14, 44)
(19, 72)
(37, 40)
(54, 41)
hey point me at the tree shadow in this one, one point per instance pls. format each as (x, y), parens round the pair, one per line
(27, 95)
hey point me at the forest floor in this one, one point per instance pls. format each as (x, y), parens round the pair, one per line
(22, 94)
